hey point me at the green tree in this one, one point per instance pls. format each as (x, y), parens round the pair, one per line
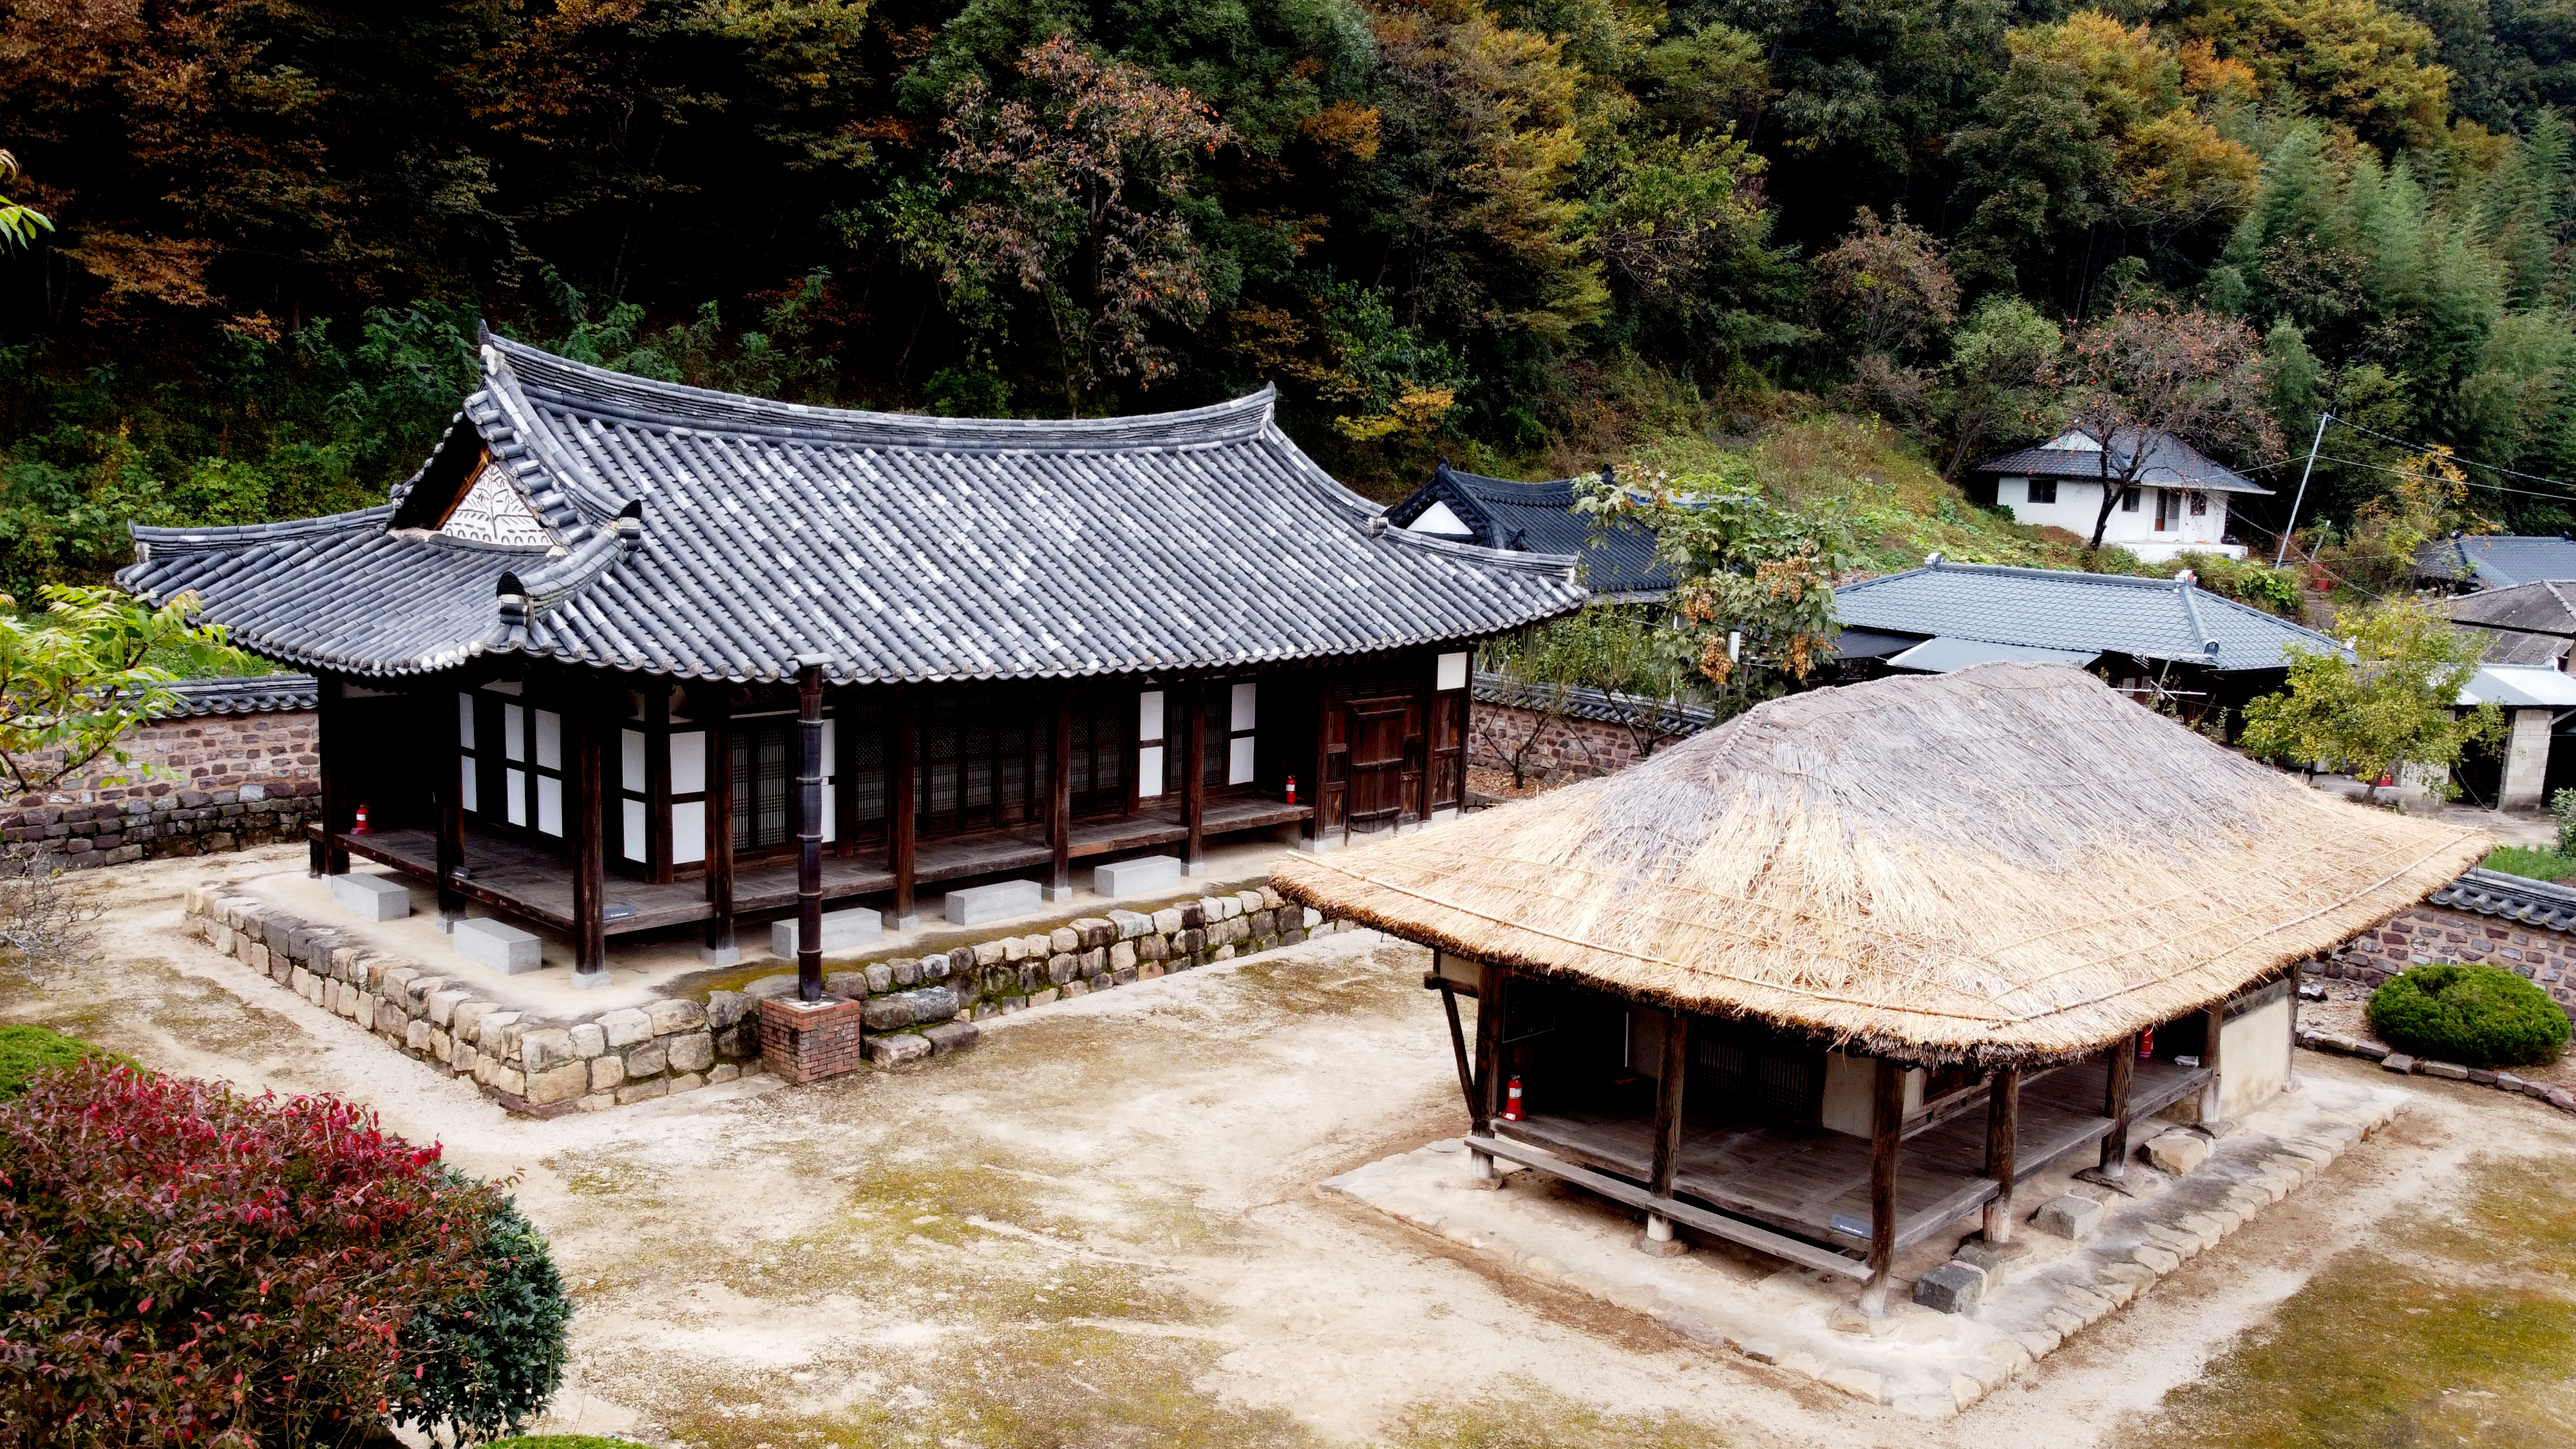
(1993, 389)
(2390, 704)
(2137, 377)
(76, 679)
(19, 224)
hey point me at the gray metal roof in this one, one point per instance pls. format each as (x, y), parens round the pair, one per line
(1540, 518)
(2083, 613)
(704, 535)
(2171, 463)
(2524, 624)
(255, 694)
(2514, 897)
(2499, 560)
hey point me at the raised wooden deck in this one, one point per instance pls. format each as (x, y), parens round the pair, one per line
(1815, 1184)
(520, 877)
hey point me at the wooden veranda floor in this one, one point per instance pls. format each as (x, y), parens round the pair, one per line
(520, 877)
(1815, 1184)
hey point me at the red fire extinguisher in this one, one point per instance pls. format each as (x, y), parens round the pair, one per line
(2146, 1043)
(1292, 789)
(361, 827)
(1512, 1100)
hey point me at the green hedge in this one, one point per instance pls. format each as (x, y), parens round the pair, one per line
(2477, 1016)
(26, 1051)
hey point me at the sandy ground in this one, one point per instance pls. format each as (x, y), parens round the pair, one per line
(1101, 1227)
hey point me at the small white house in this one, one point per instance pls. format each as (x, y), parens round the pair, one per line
(2178, 505)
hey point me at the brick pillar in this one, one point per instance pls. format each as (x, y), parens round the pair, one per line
(802, 1043)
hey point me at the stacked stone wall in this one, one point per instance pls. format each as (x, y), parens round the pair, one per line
(196, 785)
(2421, 935)
(910, 1007)
(1566, 749)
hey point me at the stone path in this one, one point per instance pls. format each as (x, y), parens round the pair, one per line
(1921, 1361)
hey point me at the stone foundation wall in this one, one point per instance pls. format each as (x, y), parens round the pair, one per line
(2421, 935)
(200, 785)
(911, 1007)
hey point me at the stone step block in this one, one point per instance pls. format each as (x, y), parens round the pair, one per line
(1000, 901)
(842, 930)
(2176, 1152)
(498, 946)
(2068, 1217)
(371, 897)
(1134, 877)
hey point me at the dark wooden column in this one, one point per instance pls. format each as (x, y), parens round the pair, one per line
(1060, 797)
(1489, 1061)
(450, 803)
(1312, 793)
(658, 865)
(2115, 1105)
(2003, 1139)
(2216, 1016)
(1429, 703)
(585, 720)
(1194, 773)
(332, 747)
(1668, 1127)
(900, 821)
(809, 830)
(1886, 1132)
(717, 715)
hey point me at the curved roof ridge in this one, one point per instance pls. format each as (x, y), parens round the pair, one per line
(182, 537)
(550, 379)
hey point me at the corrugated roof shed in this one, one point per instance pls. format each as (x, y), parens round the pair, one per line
(704, 535)
(2524, 624)
(2087, 613)
(1540, 518)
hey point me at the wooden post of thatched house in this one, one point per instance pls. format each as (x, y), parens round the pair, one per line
(1828, 980)
(628, 657)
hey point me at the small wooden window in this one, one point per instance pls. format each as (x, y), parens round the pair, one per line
(2043, 490)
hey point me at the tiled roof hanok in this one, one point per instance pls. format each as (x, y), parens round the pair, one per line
(2514, 897)
(1540, 518)
(254, 694)
(2087, 613)
(2499, 560)
(2171, 463)
(704, 535)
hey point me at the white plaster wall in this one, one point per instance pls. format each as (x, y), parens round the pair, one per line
(2077, 502)
(1850, 1084)
(2253, 1059)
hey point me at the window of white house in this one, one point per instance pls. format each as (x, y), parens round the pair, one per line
(1239, 733)
(1149, 743)
(2043, 490)
(2128, 500)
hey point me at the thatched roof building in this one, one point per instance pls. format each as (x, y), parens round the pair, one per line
(1979, 922)
(2007, 864)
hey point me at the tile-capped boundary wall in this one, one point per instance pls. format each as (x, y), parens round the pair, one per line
(2421, 935)
(913, 1007)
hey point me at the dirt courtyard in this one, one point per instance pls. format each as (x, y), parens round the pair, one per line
(1101, 1227)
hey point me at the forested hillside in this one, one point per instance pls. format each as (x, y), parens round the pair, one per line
(1532, 236)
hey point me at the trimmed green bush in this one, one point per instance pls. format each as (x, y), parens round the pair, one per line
(2477, 1016)
(26, 1051)
(489, 1362)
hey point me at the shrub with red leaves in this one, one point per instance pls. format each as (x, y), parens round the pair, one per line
(180, 1264)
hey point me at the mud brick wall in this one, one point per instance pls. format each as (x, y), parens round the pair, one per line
(2421, 935)
(1565, 748)
(197, 785)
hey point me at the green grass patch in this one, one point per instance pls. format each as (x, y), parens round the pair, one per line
(562, 1441)
(2537, 862)
(2465, 1340)
(26, 1051)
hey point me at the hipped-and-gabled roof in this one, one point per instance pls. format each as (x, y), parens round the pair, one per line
(2076, 612)
(2499, 560)
(2171, 463)
(614, 521)
(1540, 518)
(2013, 863)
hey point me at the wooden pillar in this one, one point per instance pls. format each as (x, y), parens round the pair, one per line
(451, 814)
(1194, 774)
(1669, 1083)
(1489, 1057)
(1313, 792)
(1466, 732)
(658, 866)
(331, 747)
(1886, 1132)
(900, 822)
(845, 770)
(1458, 1046)
(1429, 703)
(2003, 1139)
(809, 830)
(2115, 1105)
(585, 720)
(719, 949)
(2216, 1016)
(1060, 798)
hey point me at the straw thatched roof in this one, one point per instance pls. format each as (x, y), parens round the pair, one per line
(2008, 864)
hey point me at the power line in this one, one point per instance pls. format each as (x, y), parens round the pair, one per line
(2496, 468)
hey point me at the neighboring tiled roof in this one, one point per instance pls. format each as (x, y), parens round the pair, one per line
(704, 535)
(1579, 702)
(2515, 897)
(2171, 463)
(2052, 609)
(257, 694)
(2499, 560)
(2548, 606)
(1540, 518)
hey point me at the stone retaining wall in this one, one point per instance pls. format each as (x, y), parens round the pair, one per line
(200, 784)
(912, 1007)
(2421, 935)
(1567, 748)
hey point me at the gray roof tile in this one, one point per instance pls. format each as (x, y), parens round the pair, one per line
(906, 548)
(2054, 609)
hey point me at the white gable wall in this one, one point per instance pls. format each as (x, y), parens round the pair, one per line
(2077, 503)
(1440, 519)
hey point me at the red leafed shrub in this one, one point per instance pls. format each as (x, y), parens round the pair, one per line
(180, 1264)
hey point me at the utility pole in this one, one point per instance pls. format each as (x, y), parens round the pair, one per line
(2291, 527)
